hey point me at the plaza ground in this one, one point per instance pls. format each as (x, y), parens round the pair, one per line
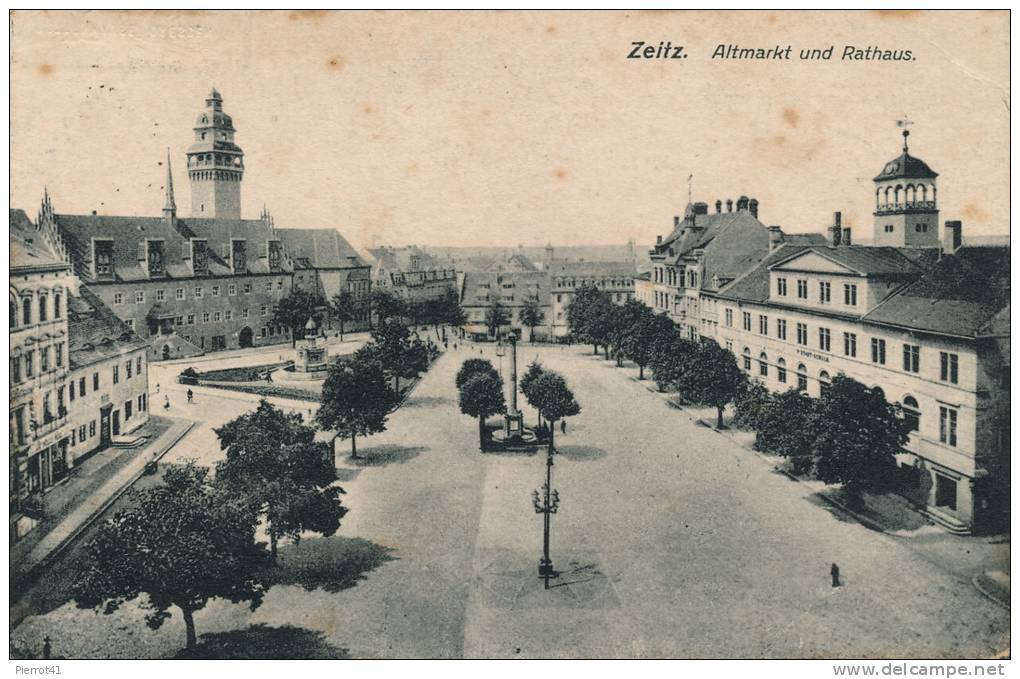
(672, 541)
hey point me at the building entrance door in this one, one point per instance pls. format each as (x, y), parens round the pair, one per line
(104, 427)
(244, 338)
(945, 492)
(116, 423)
(219, 342)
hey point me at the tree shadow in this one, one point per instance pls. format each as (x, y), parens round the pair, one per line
(331, 564)
(581, 453)
(427, 402)
(261, 642)
(386, 454)
(347, 474)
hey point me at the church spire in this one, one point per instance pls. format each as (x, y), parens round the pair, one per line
(170, 208)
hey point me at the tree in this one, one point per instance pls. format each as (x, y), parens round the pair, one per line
(527, 381)
(752, 405)
(453, 313)
(857, 436)
(472, 367)
(395, 352)
(640, 343)
(274, 463)
(531, 316)
(344, 308)
(385, 305)
(580, 312)
(496, 317)
(294, 310)
(784, 426)
(712, 377)
(553, 399)
(181, 543)
(481, 396)
(355, 400)
(624, 322)
(669, 361)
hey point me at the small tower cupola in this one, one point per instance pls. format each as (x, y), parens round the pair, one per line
(170, 207)
(215, 164)
(906, 207)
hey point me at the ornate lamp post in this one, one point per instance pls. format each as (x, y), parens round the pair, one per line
(546, 502)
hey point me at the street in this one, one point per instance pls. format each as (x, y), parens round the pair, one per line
(671, 540)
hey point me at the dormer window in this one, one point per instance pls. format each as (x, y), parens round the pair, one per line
(103, 257)
(154, 257)
(199, 256)
(275, 256)
(238, 255)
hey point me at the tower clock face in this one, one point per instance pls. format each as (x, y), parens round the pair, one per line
(891, 167)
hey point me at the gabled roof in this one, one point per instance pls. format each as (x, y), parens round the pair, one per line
(564, 268)
(753, 285)
(320, 248)
(29, 250)
(128, 232)
(871, 260)
(477, 285)
(94, 331)
(964, 294)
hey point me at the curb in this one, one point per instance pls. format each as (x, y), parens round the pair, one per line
(994, 599)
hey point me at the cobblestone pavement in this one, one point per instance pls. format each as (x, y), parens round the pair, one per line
(672, 542)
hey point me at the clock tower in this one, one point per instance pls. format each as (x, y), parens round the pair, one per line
(215, 164)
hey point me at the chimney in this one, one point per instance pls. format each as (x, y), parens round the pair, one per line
(676, 221)
(775, 237)
(718, 206)
(729, 205)
(952, 237)
(846, 236)
(742, 204)
(836, 230)
(658, 240)
(752, 206)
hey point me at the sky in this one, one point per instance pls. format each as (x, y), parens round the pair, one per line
(499, 128)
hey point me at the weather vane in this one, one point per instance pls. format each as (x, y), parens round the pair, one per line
(904, 123)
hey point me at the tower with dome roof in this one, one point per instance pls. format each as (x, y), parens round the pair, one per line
(215, 164)
(906, 208)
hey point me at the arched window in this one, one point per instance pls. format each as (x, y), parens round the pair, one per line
(763, 364)
(898, 194)
(823, 382)
(924, 192)
(42, 308)
(801, 377)
(747, 359)
(57, 297)
(26, 311)
(911, 413)
(781, 371)
(13, 320)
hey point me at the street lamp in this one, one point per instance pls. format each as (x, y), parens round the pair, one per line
(546, 502)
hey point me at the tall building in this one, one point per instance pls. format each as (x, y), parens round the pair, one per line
(186, 285)
(215, 164)
(411, 273)
(924, 322)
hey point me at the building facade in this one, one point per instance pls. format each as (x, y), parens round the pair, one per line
(187, 286)
(924, 323)
(565, 278)
(411, 274)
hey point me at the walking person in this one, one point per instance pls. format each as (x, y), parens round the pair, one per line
(166, 403)
(191, 395)
(157, 387)
(563, 426)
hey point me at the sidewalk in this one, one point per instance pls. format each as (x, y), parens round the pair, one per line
(97, 502)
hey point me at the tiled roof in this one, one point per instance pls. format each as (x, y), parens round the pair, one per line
(962, 294)
(321, 248)
(127, 232)
(876, 260)
(753, 285)
(94, 331)
(28, 249)
(564, 268)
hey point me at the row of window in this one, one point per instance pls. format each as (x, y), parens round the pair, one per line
(824, 291)
(79, 436)
(948, 416)
(949, 362)
(180, 294)
(23, 366)
(24, 314)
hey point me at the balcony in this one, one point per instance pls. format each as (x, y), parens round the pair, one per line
(907, 206)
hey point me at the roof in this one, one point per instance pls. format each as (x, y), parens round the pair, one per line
(401, 259)
(94, 331)
(906, 166)
(564, 268)
(128, 232)
(478, 285)
(753, 285)
(320, 249)
(964, 294)
(29, 250)
(870, 260)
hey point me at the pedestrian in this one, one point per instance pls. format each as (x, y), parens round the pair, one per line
(157, 387)
(47, 648)
(191, 395)
(834, 571)
(166, 403)
(563, 426)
